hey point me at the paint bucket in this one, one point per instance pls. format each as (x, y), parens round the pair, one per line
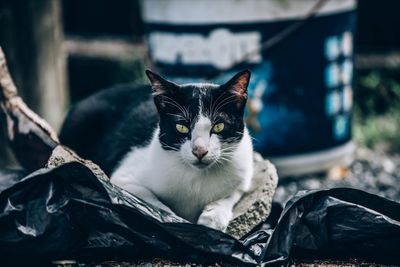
(300, 96)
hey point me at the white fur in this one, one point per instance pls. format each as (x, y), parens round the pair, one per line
(168, 179)
(201, 138)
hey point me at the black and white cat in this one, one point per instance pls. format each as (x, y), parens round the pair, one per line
(191, 153)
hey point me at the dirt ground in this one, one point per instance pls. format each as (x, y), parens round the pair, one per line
(291, 263)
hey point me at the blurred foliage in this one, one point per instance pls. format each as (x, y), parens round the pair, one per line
(377, 110)
(379, 132)
(377, 91)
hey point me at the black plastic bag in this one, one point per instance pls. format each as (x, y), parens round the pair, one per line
(67, 213)
(337, 223)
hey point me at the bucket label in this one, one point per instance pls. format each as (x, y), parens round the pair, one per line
(220, 48)
(338, 51)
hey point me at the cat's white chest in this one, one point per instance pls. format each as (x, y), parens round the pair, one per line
(187, 192)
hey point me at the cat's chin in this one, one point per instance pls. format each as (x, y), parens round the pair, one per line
(199, 165)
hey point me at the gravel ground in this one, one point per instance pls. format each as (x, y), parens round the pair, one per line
(374, 172)
(154, 263)
(333, 263)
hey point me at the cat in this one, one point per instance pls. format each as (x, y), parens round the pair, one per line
(189, 153)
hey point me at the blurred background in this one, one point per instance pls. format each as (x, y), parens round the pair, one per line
(326, 74)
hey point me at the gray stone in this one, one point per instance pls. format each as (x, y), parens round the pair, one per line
(385, 180)
(62, 154)
(313, 184)
(388, 165)
(255, 206)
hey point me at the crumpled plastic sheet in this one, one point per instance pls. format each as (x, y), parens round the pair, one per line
(67, 213)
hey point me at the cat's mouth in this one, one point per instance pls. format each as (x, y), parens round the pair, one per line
(201, 164)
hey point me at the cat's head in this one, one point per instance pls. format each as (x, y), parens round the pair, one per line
(204, 123)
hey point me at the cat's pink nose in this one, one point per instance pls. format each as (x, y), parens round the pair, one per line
(199, 152)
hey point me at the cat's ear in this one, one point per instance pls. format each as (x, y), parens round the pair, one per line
(160, 85)
(238, 86)
(162, 89)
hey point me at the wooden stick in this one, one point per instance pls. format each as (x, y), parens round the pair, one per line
(31, 138)
(33, 141)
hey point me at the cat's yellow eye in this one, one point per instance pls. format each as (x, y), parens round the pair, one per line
(218, 127)
(182, 128)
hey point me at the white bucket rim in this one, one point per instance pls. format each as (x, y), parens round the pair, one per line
(323, 160)
(246, 11)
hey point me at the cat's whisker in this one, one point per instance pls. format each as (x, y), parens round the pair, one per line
(168, 146)
(227, 150)
(214, 105)
(183, 109)
(211, 105)
(227, 98)
(232, 140)
(223, 161)
(253, 138)
(224, 102)
(221, 158)
(218, 163)
(230, 147)
(177, 106)
(184, 162)
(225, 155)
(218, 103)
(177, 115)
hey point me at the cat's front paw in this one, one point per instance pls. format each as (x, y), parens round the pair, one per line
(215, 217)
